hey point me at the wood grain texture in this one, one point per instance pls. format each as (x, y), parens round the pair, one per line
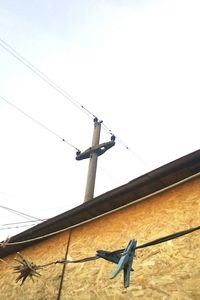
(167, 271)
(44, 287)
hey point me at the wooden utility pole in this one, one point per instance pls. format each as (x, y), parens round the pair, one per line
(93, 152)
(92, 168)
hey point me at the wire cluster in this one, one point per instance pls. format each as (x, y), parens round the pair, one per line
(61, 91)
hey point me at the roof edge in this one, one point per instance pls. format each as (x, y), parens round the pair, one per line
(144, 185)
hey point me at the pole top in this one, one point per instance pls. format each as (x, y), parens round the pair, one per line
(96, 121)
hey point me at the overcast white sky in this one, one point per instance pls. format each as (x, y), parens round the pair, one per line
(134, 64)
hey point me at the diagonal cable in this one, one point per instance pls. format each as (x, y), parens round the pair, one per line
(44, 77)
(38, 122)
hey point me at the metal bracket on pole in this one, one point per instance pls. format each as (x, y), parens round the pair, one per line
(93, 152)
(99, 150)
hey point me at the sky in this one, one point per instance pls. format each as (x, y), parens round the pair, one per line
(133, 64)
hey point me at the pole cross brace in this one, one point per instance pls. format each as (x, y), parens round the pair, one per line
(123, 259)
(99, 150)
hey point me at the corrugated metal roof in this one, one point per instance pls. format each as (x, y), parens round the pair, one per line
(142, 186)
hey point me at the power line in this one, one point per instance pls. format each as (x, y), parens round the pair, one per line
(106, 128)
(105, 214)
(22, 222)
(44, 77)
(148, 244)
(133, 152)
(97, 217)
(21, 214)
(61, 91)
(26, 216)
(38, 122)
(108, 175)
(19, 226)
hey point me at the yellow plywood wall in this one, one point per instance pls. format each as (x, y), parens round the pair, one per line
(166, 271)
(45, 287)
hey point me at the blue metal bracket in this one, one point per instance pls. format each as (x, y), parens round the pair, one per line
(125, 263)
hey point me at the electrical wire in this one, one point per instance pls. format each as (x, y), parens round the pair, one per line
(120, 141)
(44, 77)
(22, 222)
(163, 239)
(168, 237)
(38, 122)
(107, 213)
(133, 152)
(66, 261)
(148, 244)
(108, 175)
(21, 214)
(61, 91)
(26, 269)
(20, 226)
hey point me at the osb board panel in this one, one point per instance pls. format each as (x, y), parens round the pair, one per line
(167, 271)
(46, 286)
